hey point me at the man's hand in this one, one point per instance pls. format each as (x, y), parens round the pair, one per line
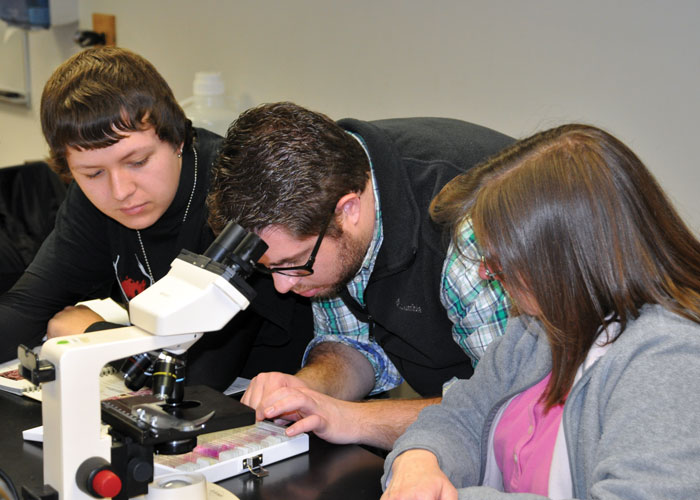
(329, 418)
(333, 368)
(263, 386)
(376, 422)
(317, 399)
(417, 475)
(71, 321)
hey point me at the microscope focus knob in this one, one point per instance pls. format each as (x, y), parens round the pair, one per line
(106, 484)
(96, 477)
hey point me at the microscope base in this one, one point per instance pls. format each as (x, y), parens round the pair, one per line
(186, 487)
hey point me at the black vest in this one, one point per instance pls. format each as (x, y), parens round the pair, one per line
(412, 160)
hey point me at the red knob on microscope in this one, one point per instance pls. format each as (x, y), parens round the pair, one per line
(106, 484)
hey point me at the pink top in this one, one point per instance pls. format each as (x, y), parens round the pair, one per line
(524, 441)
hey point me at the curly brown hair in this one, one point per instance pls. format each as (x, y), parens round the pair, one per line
(281, 164)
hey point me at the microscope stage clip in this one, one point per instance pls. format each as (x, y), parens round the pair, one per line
(153, 415)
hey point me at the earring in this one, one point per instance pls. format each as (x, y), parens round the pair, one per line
(179, 154)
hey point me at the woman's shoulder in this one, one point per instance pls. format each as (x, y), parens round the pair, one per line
(658, 328)
(524, 342)
(655, 318)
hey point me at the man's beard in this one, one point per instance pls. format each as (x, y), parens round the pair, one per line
(351, 253)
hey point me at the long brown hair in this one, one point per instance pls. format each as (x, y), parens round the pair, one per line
(574, 220)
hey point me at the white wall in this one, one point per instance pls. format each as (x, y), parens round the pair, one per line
(20, 131)
(631, 66)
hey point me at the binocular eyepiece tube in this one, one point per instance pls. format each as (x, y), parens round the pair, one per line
(236, 247)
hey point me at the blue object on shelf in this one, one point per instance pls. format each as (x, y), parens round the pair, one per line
(26, 14)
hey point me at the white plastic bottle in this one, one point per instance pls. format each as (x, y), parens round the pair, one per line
(209, 107)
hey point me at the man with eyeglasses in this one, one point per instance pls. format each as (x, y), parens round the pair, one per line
(343, 208)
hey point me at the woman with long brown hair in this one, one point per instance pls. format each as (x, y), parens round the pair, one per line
(596, 378)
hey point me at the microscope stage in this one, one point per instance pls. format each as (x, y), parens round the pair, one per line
(203, 410)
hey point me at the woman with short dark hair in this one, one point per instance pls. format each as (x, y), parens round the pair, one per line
(141, 175)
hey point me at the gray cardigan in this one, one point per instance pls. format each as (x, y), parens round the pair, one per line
(632, 422)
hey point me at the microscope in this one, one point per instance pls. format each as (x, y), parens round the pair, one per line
(200, 293)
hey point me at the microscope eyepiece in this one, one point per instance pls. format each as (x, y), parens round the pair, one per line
(250, 249)
(236, 248)
(225, 243)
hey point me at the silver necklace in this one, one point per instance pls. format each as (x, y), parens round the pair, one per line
(184, 218)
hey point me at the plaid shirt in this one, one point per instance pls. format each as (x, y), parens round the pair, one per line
(478, 309)
(333, 321)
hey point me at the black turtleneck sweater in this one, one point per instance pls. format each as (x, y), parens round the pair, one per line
(89, 255)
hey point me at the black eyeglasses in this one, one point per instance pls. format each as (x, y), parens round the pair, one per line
(306, 269)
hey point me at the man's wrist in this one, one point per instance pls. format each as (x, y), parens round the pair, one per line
(380, 422)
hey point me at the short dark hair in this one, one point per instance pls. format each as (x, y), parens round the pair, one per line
(96, 95)
(573, 218)
(281, 164)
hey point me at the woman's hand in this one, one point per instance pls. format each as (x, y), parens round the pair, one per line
(416, 475)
